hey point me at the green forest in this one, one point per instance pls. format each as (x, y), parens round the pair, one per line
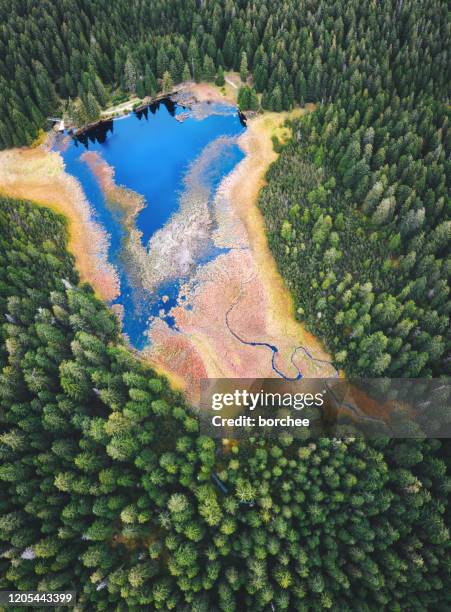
(107, 486)
(358, 204)
(55, 51)
(357, 208)
(109, 489)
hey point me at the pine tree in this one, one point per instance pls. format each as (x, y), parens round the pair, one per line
(92, 108)
(209, 70)
(244, 97)
(194, 61)
(140, 88)
(220, 80)
(150, 83)
(243, 67)
(253, 100)
(167, 84)
(276, 99)
(186, 76)
(260, 77)
(130, 75)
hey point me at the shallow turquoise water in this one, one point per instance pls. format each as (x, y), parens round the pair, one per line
(151, 153)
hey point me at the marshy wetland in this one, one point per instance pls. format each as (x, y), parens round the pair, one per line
(163, 221)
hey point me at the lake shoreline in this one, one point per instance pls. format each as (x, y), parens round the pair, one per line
(238, 303)
(38, 175)
(107, 117)
(243, 188)
(204, 343)
(199, 92)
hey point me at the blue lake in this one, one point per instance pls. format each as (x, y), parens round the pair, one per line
(151, 153)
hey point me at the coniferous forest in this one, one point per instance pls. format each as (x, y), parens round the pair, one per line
(107, 486)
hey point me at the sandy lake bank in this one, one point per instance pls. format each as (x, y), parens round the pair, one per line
(39, 175)
(236, 307)
(234, 317)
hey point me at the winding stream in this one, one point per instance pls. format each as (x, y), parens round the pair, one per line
(274, 350)
(271, 347)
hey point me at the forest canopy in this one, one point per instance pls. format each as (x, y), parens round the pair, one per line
(357, 207)
(107, 486)
(53, 52)
(109, 489)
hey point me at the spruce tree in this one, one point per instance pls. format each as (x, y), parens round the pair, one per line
(167, 84)
(243, 67)
(220, 80)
